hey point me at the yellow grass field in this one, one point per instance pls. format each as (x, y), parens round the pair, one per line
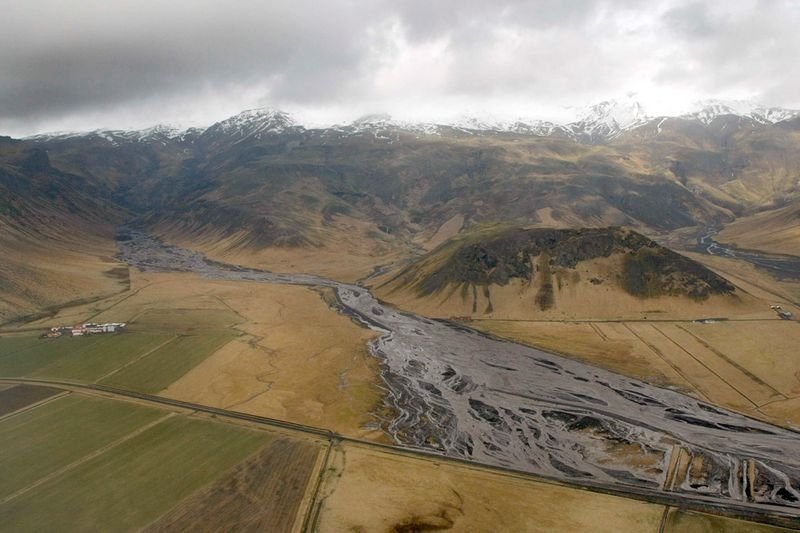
(298, 361)
(367, 490)
(372, 490)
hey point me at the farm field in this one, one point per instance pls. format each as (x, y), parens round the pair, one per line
(168, 363)
(110, 465)
(749, 367)
(101, 355)
(15, 397)
(146, 362)
(78, 358)
(11, 344)
(264, 493)
(370, 490)
(39, 441)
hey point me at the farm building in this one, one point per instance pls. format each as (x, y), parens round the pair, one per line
(89, 328)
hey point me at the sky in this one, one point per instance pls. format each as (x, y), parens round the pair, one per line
(88, 64)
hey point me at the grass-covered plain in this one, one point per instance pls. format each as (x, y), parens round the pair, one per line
(131, 484)
(165, 365)
(48, 437)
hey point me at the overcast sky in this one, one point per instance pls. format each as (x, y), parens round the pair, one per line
(87, 64)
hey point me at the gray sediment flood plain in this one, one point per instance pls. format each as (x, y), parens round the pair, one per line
(495, 402)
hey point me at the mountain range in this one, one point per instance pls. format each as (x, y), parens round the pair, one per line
(262, 189)
(600, 122)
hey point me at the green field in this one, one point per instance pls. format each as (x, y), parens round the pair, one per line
(105, 355)
(134, 483)
(20, 358)
(121, 360)
(11, 345)
(164, 366)
(79, 358)
(38, 441)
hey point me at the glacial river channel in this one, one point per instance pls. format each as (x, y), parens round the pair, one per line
(470, 396)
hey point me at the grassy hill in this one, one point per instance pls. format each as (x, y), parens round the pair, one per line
(516, 273)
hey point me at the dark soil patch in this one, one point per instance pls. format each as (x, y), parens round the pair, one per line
(21, 396)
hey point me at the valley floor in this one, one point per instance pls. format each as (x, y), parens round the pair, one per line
(284, 352)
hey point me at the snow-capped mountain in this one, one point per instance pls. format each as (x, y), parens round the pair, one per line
(253, 123)
(711, 109)
(601, 122)
(608, 119)
(159, 132)
(381, 124)
(520, 125)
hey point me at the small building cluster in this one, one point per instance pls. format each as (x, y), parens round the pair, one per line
(89, 328)
(784, 314)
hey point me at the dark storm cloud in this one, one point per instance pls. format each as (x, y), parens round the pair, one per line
(66, 56)
(90, 57)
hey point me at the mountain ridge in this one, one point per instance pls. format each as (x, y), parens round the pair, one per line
(600, 122)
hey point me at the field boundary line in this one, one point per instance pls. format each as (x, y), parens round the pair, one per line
(86, 458)
(597, 330)
(662, 526)
(690, 354)
(666, 359)
(126, 297)
(136, 360)
(733, 363)
(34, 405)
(311, 516)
